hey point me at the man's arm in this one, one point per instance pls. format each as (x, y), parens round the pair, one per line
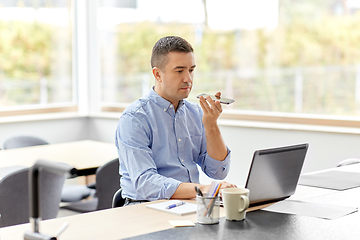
(187, 190)
(216, 147)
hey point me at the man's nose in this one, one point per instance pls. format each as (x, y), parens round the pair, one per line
(188, 78)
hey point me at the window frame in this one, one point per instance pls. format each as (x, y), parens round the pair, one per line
(77, 72)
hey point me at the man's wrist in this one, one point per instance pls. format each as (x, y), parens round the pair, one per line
(204, 188)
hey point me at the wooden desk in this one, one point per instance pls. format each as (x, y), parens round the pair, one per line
(109, 224)
(135, 220)
(85, 154)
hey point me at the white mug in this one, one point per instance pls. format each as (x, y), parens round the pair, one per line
(236, 201)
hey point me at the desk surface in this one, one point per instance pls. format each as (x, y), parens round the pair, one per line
(81, 154)
(137, 220)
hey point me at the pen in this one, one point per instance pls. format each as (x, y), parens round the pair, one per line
(198, 191)
(175, 205)
(212, 203)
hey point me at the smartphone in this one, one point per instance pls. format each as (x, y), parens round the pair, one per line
(221, 100)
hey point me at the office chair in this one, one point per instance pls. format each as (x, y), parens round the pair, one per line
(14, 196)
(70, 193)
(348, 161)
(23, 141)
(118, 200)
(107, 183)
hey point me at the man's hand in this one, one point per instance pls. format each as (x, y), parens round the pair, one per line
(216, 147)
(212, 110)
(205, 188)
(187, 190)
(226, 185)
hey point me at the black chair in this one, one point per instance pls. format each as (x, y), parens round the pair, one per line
(14, 196)
(118, 200)
(348, 161)
(23, 141)
(107, 183)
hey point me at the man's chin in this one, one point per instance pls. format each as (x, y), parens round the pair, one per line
(185, 94)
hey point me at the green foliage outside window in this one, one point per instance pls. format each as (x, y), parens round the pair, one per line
(25, 50)
(258, 67)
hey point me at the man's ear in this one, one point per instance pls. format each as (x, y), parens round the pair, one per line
(157, 74)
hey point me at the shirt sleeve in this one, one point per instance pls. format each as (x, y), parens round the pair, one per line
(133, 140)
(212, 168)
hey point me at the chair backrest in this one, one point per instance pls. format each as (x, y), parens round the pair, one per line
(118, 200)
(23, 141)
(107, 183)
(348, 161)
(14, 196)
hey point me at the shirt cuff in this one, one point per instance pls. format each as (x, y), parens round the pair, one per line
(218, 169)
(169, 189)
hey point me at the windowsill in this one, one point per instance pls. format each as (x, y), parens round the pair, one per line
(288, 126)
(221, 122)
(260, 124)
(273, 120)
(41, 117)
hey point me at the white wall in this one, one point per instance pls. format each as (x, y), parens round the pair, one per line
(53, 131)
(325, 150)
(102, 129)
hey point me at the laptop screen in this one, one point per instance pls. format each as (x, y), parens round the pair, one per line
(274, 173)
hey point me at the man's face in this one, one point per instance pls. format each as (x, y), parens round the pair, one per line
(174, 82)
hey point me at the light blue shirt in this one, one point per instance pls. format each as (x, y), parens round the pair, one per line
(159, 149)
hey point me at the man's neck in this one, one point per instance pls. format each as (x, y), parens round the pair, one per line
(176, 105)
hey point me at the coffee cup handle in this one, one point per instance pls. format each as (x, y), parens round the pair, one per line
(246, 203)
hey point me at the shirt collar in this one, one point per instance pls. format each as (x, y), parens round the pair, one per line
(161, 102)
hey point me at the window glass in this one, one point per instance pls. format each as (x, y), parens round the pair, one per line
(269, 55)
(35, 52)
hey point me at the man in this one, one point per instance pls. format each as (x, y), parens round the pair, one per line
(161, 138)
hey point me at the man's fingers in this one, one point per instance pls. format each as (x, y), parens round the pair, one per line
(218, 95)
(204, 105)
(228, 185)
(211, 102)
(218, 106)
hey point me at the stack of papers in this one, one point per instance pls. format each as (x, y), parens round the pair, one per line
(336, 180)
(326, 211)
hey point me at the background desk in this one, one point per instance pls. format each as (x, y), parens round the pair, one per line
(83, 155)
(137, 220)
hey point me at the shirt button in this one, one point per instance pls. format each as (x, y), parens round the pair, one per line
(179, 140)
(182, 160)
(164, 109)
(171, 106)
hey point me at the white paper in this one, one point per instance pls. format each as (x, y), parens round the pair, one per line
(325, 211)
(179, 210)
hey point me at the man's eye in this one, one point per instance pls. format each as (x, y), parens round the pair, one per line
(191, 70)
(180, 71)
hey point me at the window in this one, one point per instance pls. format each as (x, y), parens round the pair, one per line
(272, 56)
(287, 58)
(36, 54)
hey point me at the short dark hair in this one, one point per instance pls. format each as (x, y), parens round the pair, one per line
(165, 45)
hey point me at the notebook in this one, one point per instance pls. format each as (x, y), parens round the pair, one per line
(274, 173)
(179, 210)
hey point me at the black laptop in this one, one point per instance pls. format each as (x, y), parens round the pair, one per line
(274, 173)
